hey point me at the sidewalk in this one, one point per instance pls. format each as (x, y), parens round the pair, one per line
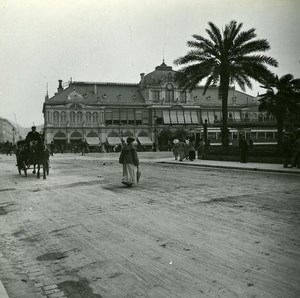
(264, 167)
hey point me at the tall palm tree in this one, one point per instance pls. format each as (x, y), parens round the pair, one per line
(225, 58)
(282, 97)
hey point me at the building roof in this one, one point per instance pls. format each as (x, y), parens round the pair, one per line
(162, 73)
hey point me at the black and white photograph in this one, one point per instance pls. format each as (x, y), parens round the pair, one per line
(149, 149)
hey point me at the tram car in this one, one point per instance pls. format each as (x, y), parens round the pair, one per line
(258, 136)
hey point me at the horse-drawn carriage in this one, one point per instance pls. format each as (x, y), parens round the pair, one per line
(31, 155)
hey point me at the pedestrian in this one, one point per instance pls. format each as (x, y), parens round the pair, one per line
(287, 151)
(243, 145)
(62, 148)
(190, 149)
(201, 147)
(130, 161)
(181, 150)
(296, 152)
(52, 148)
(175, 148)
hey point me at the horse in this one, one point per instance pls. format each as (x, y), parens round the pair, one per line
(40, 158)
(35, 154)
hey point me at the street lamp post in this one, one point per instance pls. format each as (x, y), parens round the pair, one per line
(121, 133)
(14, 131)
(155, 134)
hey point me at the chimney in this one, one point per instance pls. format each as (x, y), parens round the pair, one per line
(60, 87)
(142, 76)
(95, 89)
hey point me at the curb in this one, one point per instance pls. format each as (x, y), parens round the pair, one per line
(233, 168)
(3, 293)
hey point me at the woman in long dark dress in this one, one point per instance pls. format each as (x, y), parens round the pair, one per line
(130, 161)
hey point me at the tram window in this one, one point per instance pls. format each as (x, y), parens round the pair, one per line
(253, 135)
(218, 135)
(269, 135)
(261, 135)
(275, 135)
(211, 135)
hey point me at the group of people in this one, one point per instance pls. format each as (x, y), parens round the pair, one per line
(185, 149)
(7, 148)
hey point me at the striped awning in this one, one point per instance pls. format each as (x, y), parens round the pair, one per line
(166, 117)
(92, 140)
(113, 140)
(187, 117)
(145, 141)
(180, 117)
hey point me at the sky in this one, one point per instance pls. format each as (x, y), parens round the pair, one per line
(42, 41)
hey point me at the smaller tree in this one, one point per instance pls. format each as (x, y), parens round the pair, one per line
(282, 97)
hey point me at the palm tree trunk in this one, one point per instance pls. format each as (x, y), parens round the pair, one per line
(279, 119)
(224, 85)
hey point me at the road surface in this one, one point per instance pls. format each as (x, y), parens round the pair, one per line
(182, 232)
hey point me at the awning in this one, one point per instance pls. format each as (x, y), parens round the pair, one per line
(145, 141)
(180, 117)
(194, 117)
(173, 117)
(166, 117)
(187, 117)
(211, 117)
(92, 141)
(237, 115)
(113, 140)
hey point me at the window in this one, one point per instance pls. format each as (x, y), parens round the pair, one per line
(145, 115)
(156, 96)
(72, 117)
(48, 116)
(79, 117)
(138, 117)
(63, 117)
(88, 117)
(130, 115)
(183, 97)
(95, 117)
(55, 117)
(159, 117)
(169, 93)
(116, 117)
(108, 117)
(123, 115)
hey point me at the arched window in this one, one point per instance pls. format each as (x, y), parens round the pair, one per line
(49, 117)
(55, 117)
(169, 93)
(63, 117)
(95, 117)
(79, 117)
(88, 117)
(72, 117)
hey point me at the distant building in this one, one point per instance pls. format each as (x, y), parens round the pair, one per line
(149, 110)
(8, 131)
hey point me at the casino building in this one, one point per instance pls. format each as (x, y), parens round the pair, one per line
(151, 111)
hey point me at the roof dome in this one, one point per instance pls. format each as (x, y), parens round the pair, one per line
(162, 73)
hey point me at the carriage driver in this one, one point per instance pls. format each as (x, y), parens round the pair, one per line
(32, 139)
(33, 135)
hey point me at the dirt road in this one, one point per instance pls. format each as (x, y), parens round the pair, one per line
(183, 232)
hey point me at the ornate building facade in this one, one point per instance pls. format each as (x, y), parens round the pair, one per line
(105, 112)
(8, 131)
